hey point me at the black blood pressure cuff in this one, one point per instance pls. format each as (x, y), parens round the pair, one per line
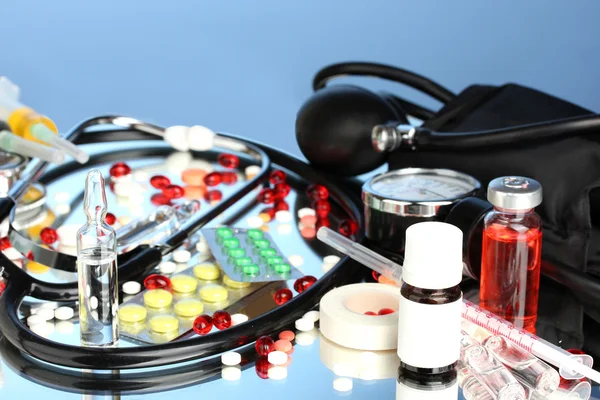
(568, 169)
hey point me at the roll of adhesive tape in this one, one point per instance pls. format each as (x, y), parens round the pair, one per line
(343, 320)
(359, 364)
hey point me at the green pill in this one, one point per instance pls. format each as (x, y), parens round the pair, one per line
(282, 268)
(268, 252)
(261, 243)
(250, 269)
(242, 261)
(224, 232)
(255, 233)
(274, 260)
(231, 243)
(237, 252)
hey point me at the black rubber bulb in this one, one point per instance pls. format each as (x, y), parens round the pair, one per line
(333, 129)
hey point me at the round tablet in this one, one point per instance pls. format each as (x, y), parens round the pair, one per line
(272, 260)
(304, 325)
(251, 171)
(283, 216)
(255, 234)
(64, 313)
(235, 284)
(206, 271)
(181, 256)
(282, 268)
(189, 308)
(213, 293)
(167, 267)
(68, 234)
(62, 197)
(250, 269)
(132, 287)
(277, 357)
(237, 319)
(261, 243)
(342, 384)
(237, 252)
(163, 324)
(268, 252)
(132, 313)
(241, 261)
(283, 345)
(303, 212)
(65, 327)
(158, 298)
(224, 232)
(184, 283)
(231, 373)
(193, 176)
(45, 313)
(254, 221)
(287, 335)
(231, 243)
(312, 316)
(331, 259)
(202, 247)
(231, 358)
(34, 320)
(277, 372)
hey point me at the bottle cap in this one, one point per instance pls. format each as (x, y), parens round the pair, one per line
(433, 255)
(514, 193)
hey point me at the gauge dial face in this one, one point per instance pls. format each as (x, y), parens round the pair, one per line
(421, 186)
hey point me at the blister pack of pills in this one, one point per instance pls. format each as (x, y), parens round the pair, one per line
(249, 255)
(167, 312)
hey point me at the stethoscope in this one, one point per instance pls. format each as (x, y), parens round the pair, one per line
(143, 259)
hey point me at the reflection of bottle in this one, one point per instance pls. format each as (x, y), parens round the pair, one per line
(414, 386)
(511, 251)
(97, 269)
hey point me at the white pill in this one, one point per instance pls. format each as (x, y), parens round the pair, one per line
(252, 171)
(331, 260)
(64, 313)
(303, 212)
(254, 221)
(34, 320)
(65, 327)
(94, 315)
(51, 305)
(231, 373)
(284, 229)
(176, 136)
(177, 162)
(325, 268)
(62, 197)
(283, 216)
(46, 314)
(44, 329)
(277, 357)
(202, 247)
(231, 358)
(296, 260)
(277, 373)
(68, 234)
(237, 319)
(123, 189)
(167, 267)
(306, 338)
(140, 176)
(124, 219)
(200, 138)
(181, 256)
(342, 384)
(132, 287)
(312, 316)
(62, 208)
(94, 303)
(304, 325)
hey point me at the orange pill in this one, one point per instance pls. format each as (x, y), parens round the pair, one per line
(309, 220)
(195, 192)
(385, 280)
(290, 351)
(283, 345)
(287, 335)
(193, 176)
(308, 232)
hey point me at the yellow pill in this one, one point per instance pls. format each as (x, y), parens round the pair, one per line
(207, 271)
(234, 284)
(158, 298)
(189, 308)
(184, 283)
(37, 268)
(213, 293)
(132, 313)
(164, 323)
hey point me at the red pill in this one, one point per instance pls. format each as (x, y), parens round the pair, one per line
(375, 275)
(262, 367)
(282, 296)
(317, 192)
(157, 281)
(370, 313)
(264, 345)
(323, 222)
(2, 286)
(119, 169)
(266, 196)
(29, 255)
(348, 228)
(159, 199)
(281, 206)
(5, 243)
(304, 283)
(385, 311)
(174, 192)
(160, 181)
(48, 235)
(110, 218)
(213, 195)
(213, 179)
(322, 207)
(287, 335)
(221, 319)
(202, 324)
(284, 188)
(277, 176)
(270, 211)
(308, 232)
(228, 160)
(229, 177)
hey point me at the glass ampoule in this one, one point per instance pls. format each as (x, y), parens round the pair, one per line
(97, 269)
(472, 389)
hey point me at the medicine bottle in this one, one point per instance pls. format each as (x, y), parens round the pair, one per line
(430, 303)
(511, 251)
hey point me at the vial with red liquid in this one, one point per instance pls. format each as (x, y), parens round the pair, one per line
(512, 251)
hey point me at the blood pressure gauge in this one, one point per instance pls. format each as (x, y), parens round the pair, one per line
(397, 199)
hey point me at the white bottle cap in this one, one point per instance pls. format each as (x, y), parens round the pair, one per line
(433, 256)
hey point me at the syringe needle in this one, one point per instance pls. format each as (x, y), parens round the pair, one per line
(15, 144)
(44, 134)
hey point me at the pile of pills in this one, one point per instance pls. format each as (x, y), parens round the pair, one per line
(41, 320)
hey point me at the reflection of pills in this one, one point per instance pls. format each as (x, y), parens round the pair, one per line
(277, 357)
(342, 384)
(158, 298)
(312, 315)
(254, 221)
(237, 319)
(277, 372)
(283, 216)
(65, 327)
(132, 313)
(44, 329)
(184, 283)
(284, 229)
(132, 287)
(308, 220)
(163, 324)
(167, 267)
(213, 293)
(231, 358)
(331, 259)
(189, 308)
(304, 325)
(193, 176)
(195, 192)
(93, 302)
(235, 284)
(64, 313)
(231, 373)
(308, 232)
(206, 271)
(296, 260)
(181, 256)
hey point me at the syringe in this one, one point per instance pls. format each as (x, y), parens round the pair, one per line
(571, 366)
(30, 125)
(15, 144)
